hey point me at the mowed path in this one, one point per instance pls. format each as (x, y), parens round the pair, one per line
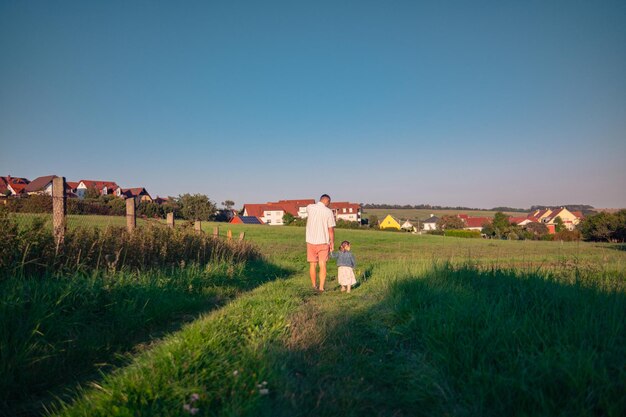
(416, 337)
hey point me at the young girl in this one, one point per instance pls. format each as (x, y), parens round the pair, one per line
(345, 263)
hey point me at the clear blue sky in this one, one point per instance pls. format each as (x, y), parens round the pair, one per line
(452, 103)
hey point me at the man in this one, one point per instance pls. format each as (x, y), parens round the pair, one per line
(320, 238)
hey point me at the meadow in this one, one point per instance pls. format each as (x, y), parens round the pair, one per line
(436, 326)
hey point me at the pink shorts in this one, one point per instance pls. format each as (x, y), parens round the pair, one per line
(317, 253)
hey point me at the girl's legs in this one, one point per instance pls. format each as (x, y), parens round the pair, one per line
(349, 286)
(343, 288)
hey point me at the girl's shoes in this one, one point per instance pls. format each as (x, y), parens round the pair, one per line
(343, 288)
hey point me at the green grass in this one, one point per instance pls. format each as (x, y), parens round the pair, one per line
(57, 331)
(436, 326)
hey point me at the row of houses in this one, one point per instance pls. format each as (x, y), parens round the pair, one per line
(18, 187)
(272, 213)
(547, 216)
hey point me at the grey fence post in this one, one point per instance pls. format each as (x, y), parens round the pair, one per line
(59, 209)
(131, 219)
(216, 231)
(197, 226)
(229, 234)
(242, 236)
(170, 220)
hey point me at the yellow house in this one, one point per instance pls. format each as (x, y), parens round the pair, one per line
(390, 222)
(569, 219)
(540, 215)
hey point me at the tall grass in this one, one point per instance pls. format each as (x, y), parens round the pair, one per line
(56, 330)
(31, 250)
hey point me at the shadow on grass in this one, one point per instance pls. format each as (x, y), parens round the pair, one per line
(459, 342)
(615, 246)
(59, 332)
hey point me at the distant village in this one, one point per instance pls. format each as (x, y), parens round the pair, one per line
(19, 187)
(274, 213)
(548, 217)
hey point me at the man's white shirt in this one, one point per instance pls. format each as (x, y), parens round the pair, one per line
(319, 219)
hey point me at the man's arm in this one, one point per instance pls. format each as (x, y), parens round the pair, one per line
(331, 237)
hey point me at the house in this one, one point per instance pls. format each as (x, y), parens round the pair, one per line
(430, 223)
(12, 185)
(272, 212)
(344, 210)
(269, 213)
(73, 186)
(539, 215)
(138, 193)
(296, 208)
(390, 222)
(159, 200)
(407, 226)
(16, 189)
(569, 219)
(103, 187)
(476, 223)
(40, 185)
(521, 221)
(246, 220)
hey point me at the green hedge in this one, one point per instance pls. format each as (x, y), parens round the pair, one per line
(472, 234)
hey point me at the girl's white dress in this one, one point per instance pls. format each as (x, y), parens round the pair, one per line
(346, 276)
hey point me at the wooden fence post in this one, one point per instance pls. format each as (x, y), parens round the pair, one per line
(59, 210)
(131, 219)
(229, 234)
(216, 231)
(197, 226)
(242, 236)
(170, 220)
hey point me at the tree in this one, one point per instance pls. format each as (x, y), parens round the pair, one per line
(373, 220)
(228, 204)
(558, 225)
(450, 223)
(501, 225)
(196, 206)
(288, 219)
(601, 226)
(537, 230)
(92, 192)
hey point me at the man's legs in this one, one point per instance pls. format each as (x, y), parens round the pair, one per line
(322, 274)
(312, 269)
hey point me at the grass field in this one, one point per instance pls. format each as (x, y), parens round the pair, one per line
(436, 326)
(415, 214)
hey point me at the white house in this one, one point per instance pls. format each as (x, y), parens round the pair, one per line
(40, 185)
(408, 226)
(103, 187)
(344, 210)
(430, 223)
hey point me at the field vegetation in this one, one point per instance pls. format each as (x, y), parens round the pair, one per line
(437, 325)
(423, 214)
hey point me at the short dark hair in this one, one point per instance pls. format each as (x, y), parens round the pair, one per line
(324, 196)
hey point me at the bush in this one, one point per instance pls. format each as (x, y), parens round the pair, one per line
(346, 224)
(30, 204)
(604, 227)
(471, 234)
(435, 232)
(567, 235)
